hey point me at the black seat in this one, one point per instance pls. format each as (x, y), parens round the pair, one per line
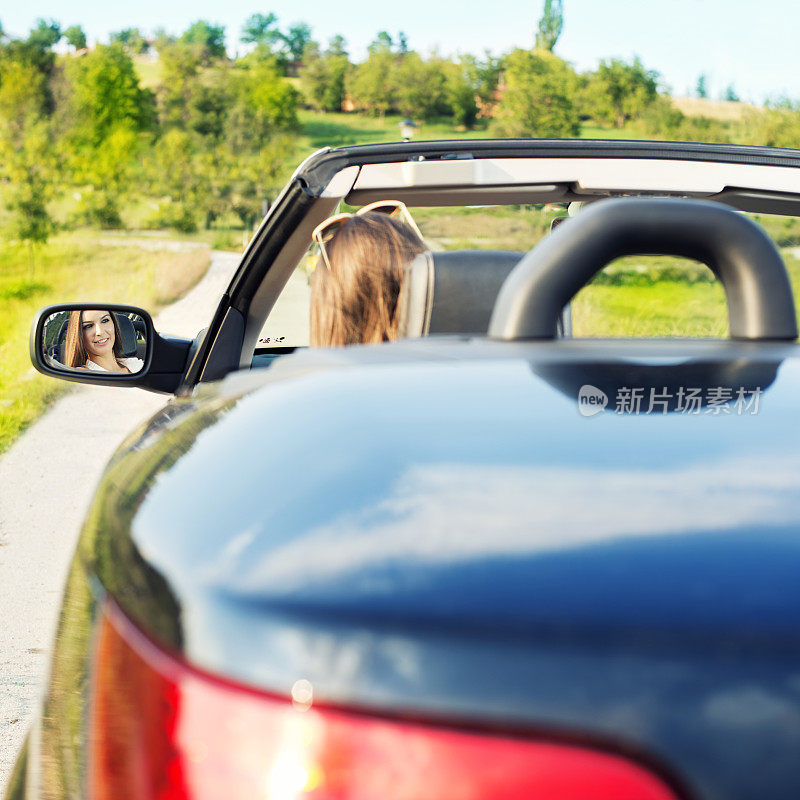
(454, 292)
(56, 350)
(127, 333)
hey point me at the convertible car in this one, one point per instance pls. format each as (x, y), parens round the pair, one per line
(500, 557)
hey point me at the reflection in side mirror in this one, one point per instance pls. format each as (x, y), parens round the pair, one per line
(95, 341)
(107, 344)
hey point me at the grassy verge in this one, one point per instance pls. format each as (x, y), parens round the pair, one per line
(637, 297)
(665, 308)
(77, 266)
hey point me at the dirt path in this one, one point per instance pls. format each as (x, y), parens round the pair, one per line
(46, 482)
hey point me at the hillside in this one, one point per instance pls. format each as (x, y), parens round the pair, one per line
(723, 110)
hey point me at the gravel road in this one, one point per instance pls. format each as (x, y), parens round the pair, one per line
(43, 502)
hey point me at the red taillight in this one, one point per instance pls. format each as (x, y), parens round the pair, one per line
(160, 730)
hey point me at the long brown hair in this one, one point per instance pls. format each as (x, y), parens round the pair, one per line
(75, 354)
(355, 301)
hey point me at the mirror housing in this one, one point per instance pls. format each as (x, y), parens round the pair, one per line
(154, 362)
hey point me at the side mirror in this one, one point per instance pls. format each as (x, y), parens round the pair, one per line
(106, 344)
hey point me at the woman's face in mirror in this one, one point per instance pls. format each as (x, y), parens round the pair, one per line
(97, 328)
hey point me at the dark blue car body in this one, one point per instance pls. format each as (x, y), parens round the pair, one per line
(437, 529)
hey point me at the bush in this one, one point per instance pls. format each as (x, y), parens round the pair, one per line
(539, 97)
(619, 92)
(422, 87)
(228, 239)
(178, 216)
(777, 126)
(98, 208)
(661, 120)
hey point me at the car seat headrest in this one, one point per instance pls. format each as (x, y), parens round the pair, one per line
(56, 351)
(128, 335)
(453, 292)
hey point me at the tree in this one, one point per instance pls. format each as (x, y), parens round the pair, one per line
(37, 52)
(107, 95)
(175, 176)
(373, 87)
(251, 180)
(483, 75)
(180, 64)
(338, 67)
(313, 76)
(27, 160)
(421, 87)
(462, 91)
(261, 29)
(132, 39)
(110, 111)
(209, 104)
(337, 46)
(207, 39)
(619, 91)
(538, 98)
(730, 95)
(702, 86)
(29, 170)
(381, 44)
(75, 37)
(296, 39)
(322, 77)
(107, 170)
(264, 102)
(45, 34)
(550, 25)
(162, 39)
(22, 97)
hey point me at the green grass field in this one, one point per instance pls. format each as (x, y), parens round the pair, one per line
(665, 308)
(658, 297)
(73, 266)
(337, 130)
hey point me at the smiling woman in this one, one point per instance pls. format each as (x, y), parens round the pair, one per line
(99, 336)
(94, 341)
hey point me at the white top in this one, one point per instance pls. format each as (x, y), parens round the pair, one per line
(133, 364)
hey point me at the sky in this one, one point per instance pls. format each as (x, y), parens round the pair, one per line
(733, 42)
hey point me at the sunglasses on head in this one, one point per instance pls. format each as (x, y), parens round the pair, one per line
(326, 230)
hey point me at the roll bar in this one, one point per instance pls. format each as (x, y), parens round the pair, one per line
(739, 253)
